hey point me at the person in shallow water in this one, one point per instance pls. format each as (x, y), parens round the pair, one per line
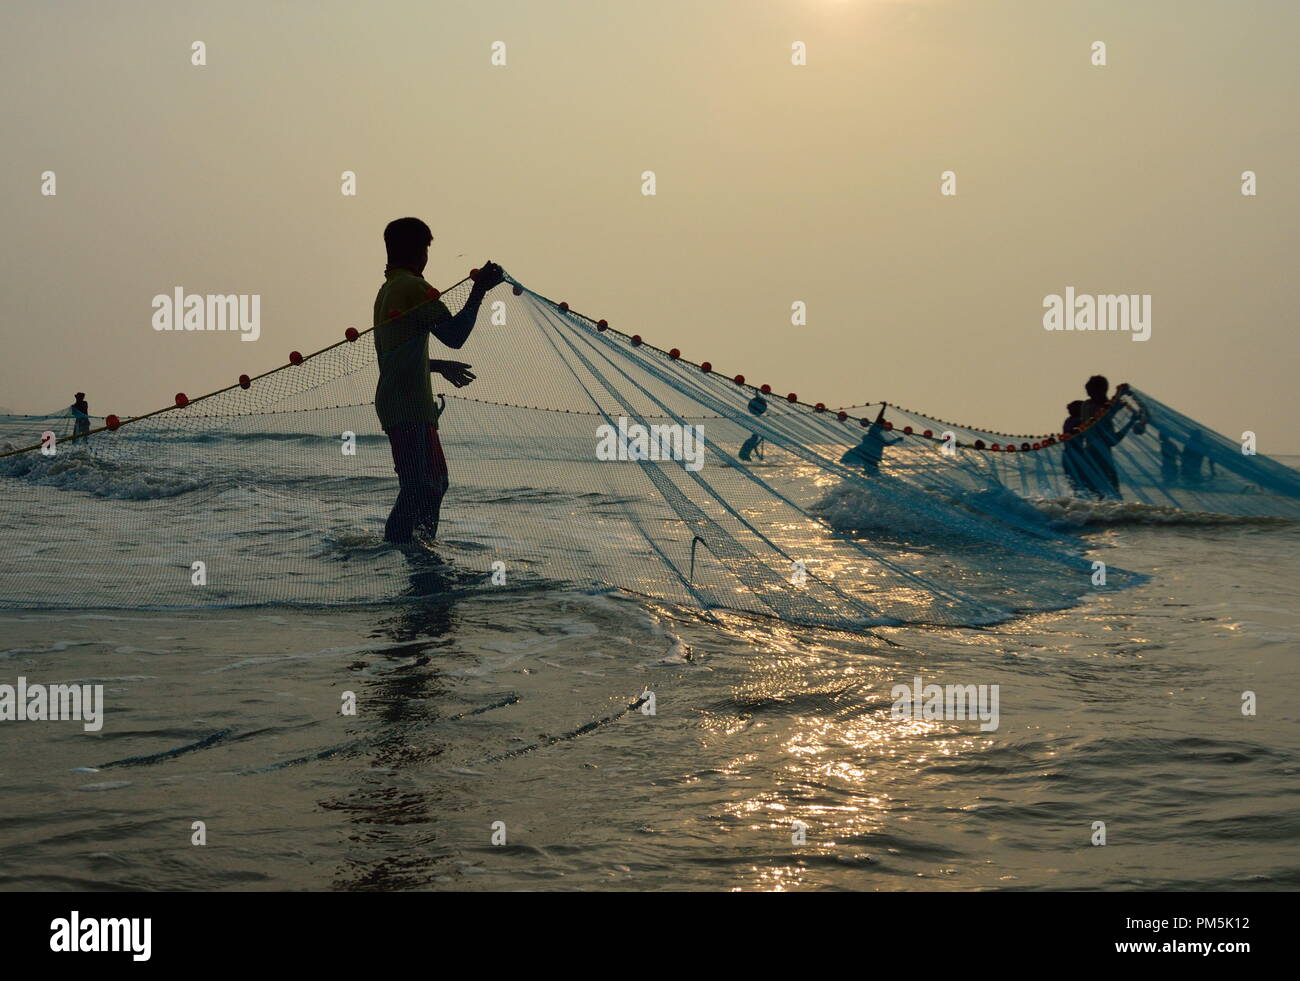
(1074, 458)
(1101, 436)
(81, 412)
(1168, 457)
(404, 395)
(1193, 457)
(754, 445)
(869, 452)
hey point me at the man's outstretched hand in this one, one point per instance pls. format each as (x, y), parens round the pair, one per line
(489, 275)
(456, 372)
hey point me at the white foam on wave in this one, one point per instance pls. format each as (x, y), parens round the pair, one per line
(1074, 512)
(848, 507)
(73, 469)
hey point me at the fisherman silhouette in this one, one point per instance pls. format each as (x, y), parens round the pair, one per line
(753, 445)
(1074, 458)
(869, 452)
(1100, 436)
(404, 395)
(1193, 457)
(81, 412)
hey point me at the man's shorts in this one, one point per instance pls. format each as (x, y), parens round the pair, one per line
(418, 457)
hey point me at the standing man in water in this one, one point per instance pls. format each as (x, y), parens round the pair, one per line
(406, 313)
(1074, 458)
(1101, 437)
(81, 412)
(869, 452)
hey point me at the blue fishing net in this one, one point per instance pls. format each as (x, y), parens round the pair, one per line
(584, 458)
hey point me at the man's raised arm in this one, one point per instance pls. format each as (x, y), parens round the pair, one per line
(455, 331)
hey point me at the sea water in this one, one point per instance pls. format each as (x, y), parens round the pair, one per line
(549, 737)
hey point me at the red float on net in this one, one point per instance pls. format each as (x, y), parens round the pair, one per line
(601, 324)
(295, 357)
(766, 389)
(706, 367)
(739, 379)
(473, 274)
(841, 415)
(351, 333)
(636, 340)
(182, 400)
(564, 306)
(792, 397)
(887, 424)
(928, 434)
(864, 421)
(1038, 446)
(112, 421)
(908, 430)
(674, 354)
(820, 406)
(244, 381)
(995, 446)
(518, 289)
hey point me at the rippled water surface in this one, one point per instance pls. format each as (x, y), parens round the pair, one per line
(513, 707)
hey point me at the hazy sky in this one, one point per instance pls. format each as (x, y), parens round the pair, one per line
(775, 183)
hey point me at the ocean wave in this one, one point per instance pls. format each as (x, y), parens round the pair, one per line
(76, 469)
(1074, 512)
(851, 508)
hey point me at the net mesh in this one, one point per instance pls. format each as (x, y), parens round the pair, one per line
(789, 510)
(1140, 451)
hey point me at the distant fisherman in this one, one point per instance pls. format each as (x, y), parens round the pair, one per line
(1194, 454)
(869, 452)
(404, 396)
(1101, 437)
(1168, 457)
(1074, 458)
(754, 445)
(81, 412)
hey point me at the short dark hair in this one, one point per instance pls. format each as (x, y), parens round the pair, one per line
(1097, 386)
(405, 237)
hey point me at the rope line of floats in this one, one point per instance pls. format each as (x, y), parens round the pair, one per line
(1029, 445)
(945, 422)
(112, 422)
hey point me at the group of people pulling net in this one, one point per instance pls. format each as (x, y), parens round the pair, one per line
(572, 454)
